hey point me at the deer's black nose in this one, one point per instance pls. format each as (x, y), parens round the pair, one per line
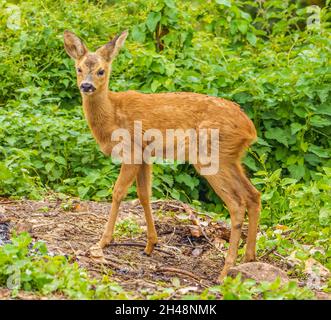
(87, 87)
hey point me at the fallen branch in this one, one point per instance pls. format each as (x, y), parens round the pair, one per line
(284, 259)
(196, 222)
(179, 271)
(86, 213)
(133, 244)
(268, 252)
(48, 224)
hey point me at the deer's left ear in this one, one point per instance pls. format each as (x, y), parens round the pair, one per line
(110, 50)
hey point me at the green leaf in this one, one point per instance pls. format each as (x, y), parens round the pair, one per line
(152, 19)
(49, 166)
(168, 179)
(275, 175)
(262, 142)
(242, 26)
(277, 134)
(325, 216)
(297, 171)
(102, 193)
(4, 172)
(250, 163)
(296, 127)
(170, 4)
(187, 179)
(60, 160)
(226, 3)
(324, 109)
(319, 122)
(175, 194)
(251, 38)
(138, 33)
(82, 191)
(320, 151)
(46, 143)
(155, 84)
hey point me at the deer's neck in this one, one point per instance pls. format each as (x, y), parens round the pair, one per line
(100, 115)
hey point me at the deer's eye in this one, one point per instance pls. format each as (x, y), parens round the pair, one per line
(79, 70)
(101, 72)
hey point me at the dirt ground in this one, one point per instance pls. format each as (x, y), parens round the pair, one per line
(189, 249)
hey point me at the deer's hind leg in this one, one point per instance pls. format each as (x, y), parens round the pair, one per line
(253, 203)
(144, 188)
(228, 187)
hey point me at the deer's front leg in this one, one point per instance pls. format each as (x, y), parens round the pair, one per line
(144, 192)
(125, 179)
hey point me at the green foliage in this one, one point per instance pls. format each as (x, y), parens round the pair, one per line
(261, 55)
(304, 208)
(237, 289)
(28, 266)
(127, 227)
(287, 201)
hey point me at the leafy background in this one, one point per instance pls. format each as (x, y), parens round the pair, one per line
(261, 54)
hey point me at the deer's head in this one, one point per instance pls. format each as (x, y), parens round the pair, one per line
(93, 68)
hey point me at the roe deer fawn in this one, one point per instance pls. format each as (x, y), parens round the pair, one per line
(107, 111)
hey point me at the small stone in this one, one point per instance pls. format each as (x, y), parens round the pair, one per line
(313, 267)
(259, 271)
(197, 252)
(322, 295)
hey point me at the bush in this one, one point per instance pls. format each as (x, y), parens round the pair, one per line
(262, 56)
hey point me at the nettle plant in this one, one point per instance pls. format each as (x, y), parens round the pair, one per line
(259, 54)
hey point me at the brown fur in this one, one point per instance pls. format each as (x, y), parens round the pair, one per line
(106, 111)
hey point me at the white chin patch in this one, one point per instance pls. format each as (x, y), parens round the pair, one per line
(88, 92)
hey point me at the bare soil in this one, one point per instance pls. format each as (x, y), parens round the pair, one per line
(191, 249)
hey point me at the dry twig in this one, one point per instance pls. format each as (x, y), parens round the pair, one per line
(133, 244)
(179, 271)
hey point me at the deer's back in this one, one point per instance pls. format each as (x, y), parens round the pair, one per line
(184, 110)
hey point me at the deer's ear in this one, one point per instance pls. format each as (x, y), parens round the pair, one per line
(110, 50)
(74, 46)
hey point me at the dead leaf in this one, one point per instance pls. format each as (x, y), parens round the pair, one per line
(187, 289)
(182, 216)
(282, 227)
(191, 214)
(195, 231)
(204, 223)
(96, 254)
(219, 243)
(80, 207)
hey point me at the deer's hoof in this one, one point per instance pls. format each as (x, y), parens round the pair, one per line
(104, 242)
(149, 248)
(250, 258)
